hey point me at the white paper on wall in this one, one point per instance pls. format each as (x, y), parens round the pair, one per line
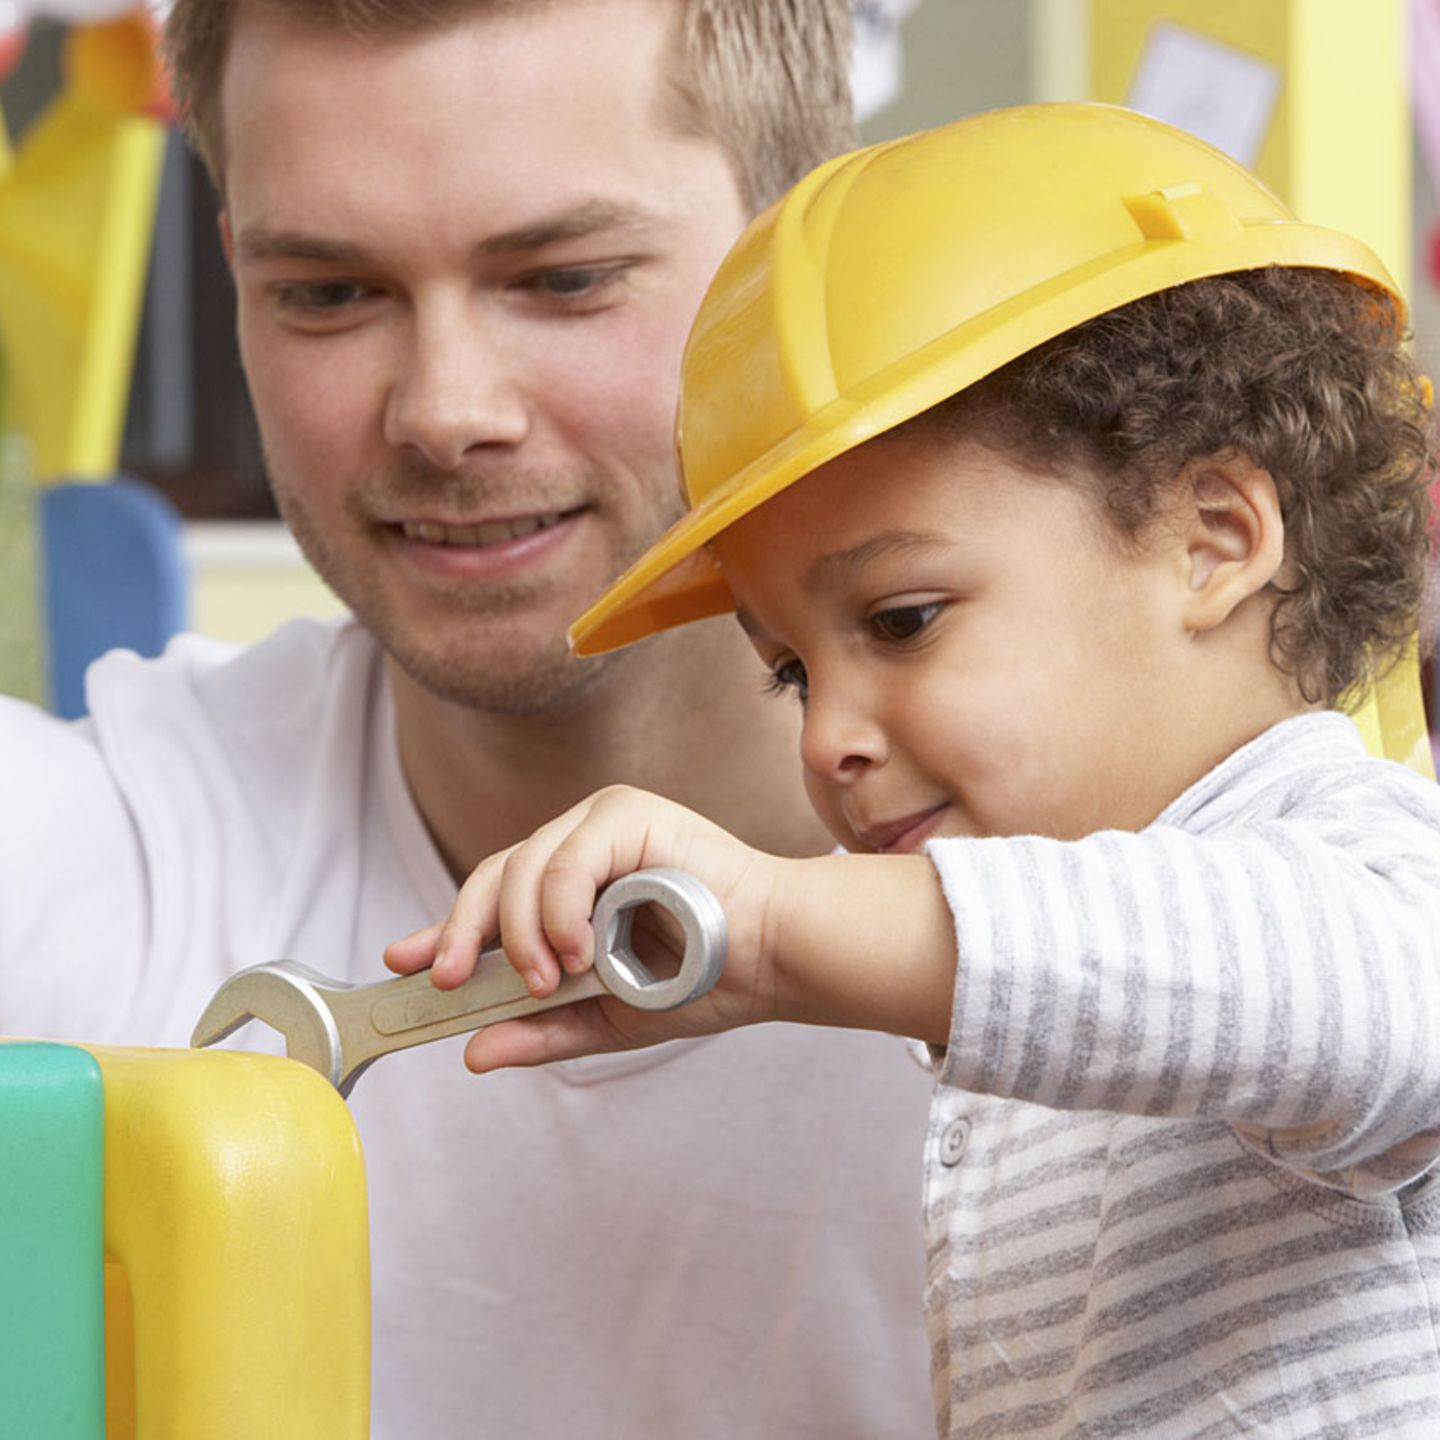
(1220, 93)
(15, 14)
(1425, 82)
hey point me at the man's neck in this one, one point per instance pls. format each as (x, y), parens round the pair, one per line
(684, 716)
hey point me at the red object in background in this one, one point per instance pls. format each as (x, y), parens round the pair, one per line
(1434, 257)
(12, 47)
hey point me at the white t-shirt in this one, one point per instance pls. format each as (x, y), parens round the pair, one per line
(716, 1238)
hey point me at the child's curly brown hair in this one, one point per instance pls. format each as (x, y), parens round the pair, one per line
(1301, 371)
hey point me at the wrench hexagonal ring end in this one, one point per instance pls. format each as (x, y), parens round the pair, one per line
(700, 917)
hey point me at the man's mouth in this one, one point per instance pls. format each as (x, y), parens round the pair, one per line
(491, 532)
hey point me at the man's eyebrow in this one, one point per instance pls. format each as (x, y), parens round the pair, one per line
(590, 217)
(258, 242)
(888, 542)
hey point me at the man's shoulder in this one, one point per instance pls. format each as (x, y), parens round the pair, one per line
(302, 649)
(248, 728)
(305, 666)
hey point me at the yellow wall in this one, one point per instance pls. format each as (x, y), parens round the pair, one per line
(247, 578)
(1338, 149)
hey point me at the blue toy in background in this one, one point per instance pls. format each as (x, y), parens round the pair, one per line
(114, 577)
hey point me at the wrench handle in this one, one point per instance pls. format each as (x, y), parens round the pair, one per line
(493, 993)
(373, 1020)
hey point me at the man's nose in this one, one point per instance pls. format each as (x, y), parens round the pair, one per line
(457, 388)
(842, 735)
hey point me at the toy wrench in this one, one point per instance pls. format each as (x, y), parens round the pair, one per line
(339, 1028)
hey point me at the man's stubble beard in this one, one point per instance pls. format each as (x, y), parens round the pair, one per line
(551, 683)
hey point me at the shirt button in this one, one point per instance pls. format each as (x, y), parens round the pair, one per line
(954, 1141)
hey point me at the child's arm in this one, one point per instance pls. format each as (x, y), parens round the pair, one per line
(1280, 975)
(853, 940)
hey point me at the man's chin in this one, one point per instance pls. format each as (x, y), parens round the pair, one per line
(535, 685)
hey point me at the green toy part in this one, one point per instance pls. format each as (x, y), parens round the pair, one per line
(52, 1328)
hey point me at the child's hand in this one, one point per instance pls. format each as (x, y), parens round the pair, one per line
(539, 896)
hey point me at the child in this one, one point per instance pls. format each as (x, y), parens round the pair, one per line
(1069, 482)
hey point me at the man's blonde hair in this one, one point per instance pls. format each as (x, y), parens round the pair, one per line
(767, 80)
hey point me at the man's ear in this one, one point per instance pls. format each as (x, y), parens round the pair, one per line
(1233, 536)
(227, 239)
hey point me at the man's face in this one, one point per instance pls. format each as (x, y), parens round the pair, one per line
(466, 263)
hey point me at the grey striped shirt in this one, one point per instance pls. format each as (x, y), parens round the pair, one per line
(1177, 1179)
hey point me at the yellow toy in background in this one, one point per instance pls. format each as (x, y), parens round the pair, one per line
(235, 1210)
(1344, 165)
(235, 1248)
(77, 208)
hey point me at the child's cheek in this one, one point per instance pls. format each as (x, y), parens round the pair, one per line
(994, 758)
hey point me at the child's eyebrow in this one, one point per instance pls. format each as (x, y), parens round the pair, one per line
(839, 563)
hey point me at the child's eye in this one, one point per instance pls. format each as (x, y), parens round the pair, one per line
(788, 676)
(904, 622)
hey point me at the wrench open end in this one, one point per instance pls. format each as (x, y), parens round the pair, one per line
(283, 995)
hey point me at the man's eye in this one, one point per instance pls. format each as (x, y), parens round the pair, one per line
(904, 622)
(788, 676)
(577, 283)
(322, 296)
(569, 282)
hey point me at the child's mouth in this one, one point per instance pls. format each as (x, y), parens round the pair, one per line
(903, 836)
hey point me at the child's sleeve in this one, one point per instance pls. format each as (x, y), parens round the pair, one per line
(1283, 976)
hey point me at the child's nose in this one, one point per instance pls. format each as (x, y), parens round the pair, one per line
(841, 737)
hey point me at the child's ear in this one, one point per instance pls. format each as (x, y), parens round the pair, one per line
(1234, 536)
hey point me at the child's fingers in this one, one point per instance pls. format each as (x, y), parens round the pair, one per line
(561, 1034)
(414, 951)
(547, 895)
(473, 919)
(595, 1026)
(539, 943)
(539, 895)
(608, 841)
(520, 930)
(568, 889)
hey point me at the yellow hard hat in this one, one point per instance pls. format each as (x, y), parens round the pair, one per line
(895, 276)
